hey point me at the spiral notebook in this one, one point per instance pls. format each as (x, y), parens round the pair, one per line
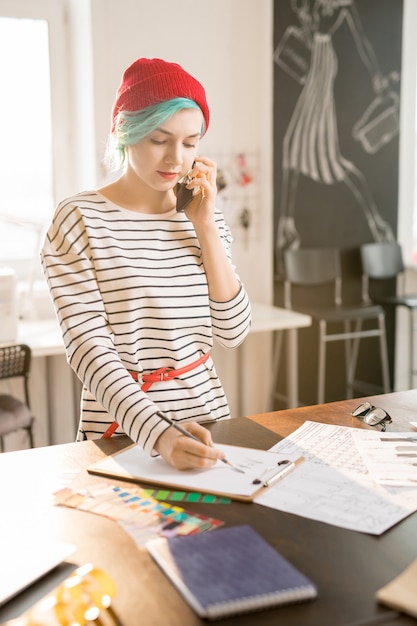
(230, 571)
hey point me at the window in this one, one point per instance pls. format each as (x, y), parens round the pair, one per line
(33, 121)
(25, 127)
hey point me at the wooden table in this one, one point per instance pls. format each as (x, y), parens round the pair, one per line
(401, 406)
(348, 567)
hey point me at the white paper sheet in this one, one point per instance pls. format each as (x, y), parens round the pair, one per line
(391, 458)
(333, 484)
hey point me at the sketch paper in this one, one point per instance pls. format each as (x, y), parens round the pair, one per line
(333, 484)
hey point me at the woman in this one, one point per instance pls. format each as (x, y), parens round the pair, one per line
(141, 288)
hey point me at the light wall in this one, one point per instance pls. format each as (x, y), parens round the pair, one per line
(407, 201)
(227, 45)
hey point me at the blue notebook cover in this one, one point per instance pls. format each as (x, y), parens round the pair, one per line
(229, 571)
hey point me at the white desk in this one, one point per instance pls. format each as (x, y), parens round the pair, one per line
(267, 318)
(43, 336)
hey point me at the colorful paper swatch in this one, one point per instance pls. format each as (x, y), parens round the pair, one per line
(142, 516)
(185, 496)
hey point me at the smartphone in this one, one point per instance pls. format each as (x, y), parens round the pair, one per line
(184, 195)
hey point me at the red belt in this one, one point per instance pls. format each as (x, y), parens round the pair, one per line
(160, 375)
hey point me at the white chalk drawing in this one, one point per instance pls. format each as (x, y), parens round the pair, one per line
(311, 142)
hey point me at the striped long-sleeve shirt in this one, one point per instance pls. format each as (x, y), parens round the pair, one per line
(131, 294)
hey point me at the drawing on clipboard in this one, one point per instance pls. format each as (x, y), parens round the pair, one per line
(261, 469)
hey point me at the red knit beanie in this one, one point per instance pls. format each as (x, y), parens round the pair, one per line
(150, 81)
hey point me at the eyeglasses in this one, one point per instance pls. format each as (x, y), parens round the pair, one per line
(372, 415)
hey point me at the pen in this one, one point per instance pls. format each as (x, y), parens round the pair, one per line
(191, 436)
(269, 477)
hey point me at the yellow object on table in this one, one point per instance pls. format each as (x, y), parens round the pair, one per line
(82, 599)
(401, 592)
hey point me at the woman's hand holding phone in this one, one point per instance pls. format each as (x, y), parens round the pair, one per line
(199, 184)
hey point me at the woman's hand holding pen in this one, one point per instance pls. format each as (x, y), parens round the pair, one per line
(185, 452)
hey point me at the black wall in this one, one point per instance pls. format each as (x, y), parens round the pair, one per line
(329, 214)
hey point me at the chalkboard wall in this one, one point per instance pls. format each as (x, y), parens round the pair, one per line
(337, 78)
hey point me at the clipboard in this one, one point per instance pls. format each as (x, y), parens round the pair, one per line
(261, 468)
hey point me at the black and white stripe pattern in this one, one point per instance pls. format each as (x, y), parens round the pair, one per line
(131, 294)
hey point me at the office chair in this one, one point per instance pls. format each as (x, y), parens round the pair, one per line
(316, 267)
(14, 413)
(381, 261)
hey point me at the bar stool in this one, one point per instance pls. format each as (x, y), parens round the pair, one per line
(381, 261)
(314, 267)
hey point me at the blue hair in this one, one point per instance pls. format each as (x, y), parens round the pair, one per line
(132, 126)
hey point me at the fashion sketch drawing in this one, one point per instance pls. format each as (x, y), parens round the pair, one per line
(311, 142)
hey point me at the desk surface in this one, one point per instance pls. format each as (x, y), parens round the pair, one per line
(43, 336)
(348, 567)
(267, 318)
(401, 405)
